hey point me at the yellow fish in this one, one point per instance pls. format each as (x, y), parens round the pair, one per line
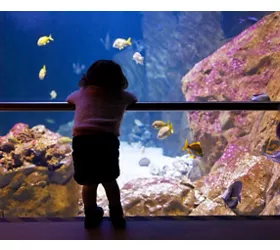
(64, 140)
(42, 41)
(194, 149)
(43, 72)
(165, 131)
(159, 124)
(121, 43)
(53, 94)
(13, 140)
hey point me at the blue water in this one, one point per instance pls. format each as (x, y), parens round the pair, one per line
(77, 39)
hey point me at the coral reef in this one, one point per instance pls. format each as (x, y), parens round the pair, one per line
(36, 174)
(245, 66)
(234, 142)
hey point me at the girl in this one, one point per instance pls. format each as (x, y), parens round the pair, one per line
(100, 104)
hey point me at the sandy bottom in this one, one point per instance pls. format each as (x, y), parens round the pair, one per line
(129, 163)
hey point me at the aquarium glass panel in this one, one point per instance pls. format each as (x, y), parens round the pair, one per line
(199, 163)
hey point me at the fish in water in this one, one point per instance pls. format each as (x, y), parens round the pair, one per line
(194, 149)
(44, 40)
(78, 68)
(13, 140)
(142, 149)
(139, 45)
(159, 124)
(251, 19)
(261, 98)
(138, 123)
(121, 43)
(50, 121)
(165, 131)
(53, 94)
(274, 157)
(138, 58)
(43, 72)
(64, 140)
(106, 41)
(232, 196)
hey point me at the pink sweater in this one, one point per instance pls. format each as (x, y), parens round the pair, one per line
(97, 111)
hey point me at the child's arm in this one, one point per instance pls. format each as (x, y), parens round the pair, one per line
(72, 97)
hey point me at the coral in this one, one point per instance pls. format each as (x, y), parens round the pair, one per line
(247, 65)
(36, 174)
(234, 141)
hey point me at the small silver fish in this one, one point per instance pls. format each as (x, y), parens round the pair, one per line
(138, 123)
(261, 98)
(232, 196)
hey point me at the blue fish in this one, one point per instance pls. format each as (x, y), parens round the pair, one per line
(248, 19)
(232, 196)
(274, 157)
(261, 98)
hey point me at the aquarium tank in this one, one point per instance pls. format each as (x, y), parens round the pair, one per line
(173, 163)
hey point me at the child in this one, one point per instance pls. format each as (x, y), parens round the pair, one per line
(100, 104)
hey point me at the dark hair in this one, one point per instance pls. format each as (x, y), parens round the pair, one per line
(105, 73)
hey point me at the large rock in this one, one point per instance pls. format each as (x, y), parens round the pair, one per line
(156, 196)
(247, 65)
(36, 173)
(259, 176)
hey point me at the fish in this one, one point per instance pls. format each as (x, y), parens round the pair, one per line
(13, 140)
(274, 157)
(194, 149)
(78, 68)
(106, 41)
(51, 121)
(64, 140)
(232, 196)
(44, 40)
(165, 131)
(248, 19)
(43, 72)
(271, 146)
(159, 124)
(139, 45)
(121, 43)
(138, 123)
(261, 98)
(53, 94)
(138, 58)
(142, 150)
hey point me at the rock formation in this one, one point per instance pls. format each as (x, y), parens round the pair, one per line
(36, 174)
(245, 66)
(234, 142)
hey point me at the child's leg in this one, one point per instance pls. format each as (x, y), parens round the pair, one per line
(89, 193)
(114, 197)
(93, 214)
(113, 193)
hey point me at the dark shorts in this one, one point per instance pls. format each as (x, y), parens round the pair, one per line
(95, 158)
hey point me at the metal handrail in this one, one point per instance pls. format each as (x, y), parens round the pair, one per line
(147, 106)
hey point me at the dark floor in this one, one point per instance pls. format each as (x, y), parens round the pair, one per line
(172, 228)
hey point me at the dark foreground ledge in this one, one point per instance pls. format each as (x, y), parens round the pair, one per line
(147, 106)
